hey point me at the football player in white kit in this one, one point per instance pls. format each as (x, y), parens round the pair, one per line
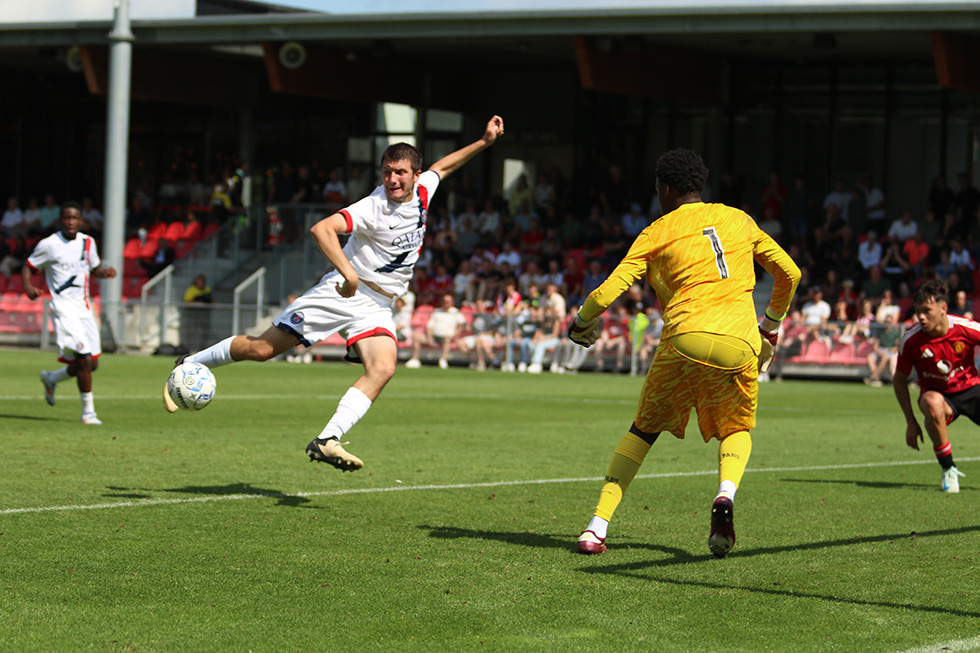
(355, 298)
(68, 257)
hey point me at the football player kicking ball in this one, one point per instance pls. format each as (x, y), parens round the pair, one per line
(355, 299)
(940, 349)
(68, 257)
(699, 259)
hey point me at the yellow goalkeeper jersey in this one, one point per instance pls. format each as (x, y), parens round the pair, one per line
(698, 258)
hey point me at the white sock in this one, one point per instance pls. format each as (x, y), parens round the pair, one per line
(727, 489)
(214, 356)
(88, 402)
(598, 525)
(58, 375)
(352, 407)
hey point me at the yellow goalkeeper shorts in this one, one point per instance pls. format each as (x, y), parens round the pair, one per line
(725, 396)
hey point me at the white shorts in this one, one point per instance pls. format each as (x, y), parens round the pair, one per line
(322, 312)
(76, 337)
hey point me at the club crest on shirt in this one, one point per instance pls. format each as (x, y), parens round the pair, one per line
(959, 347)
(296, 318)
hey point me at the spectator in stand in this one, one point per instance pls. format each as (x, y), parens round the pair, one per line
(875, 285)
(163, 257)
(961, 305)
(442, 283)
(944, 268)
(530, 276)
(885, 353)
(403, 319)
(574, 278)
(422, 287)
(894, 264)
(839, 198)
(12, 257)
(195, 322)
(798, 211)
(32, 218)
(634, 221)
(904, 228)
(13, 219)
(593, 277)
(614, 334)
(532, 241)
(221, 203)
(444, 325)
(489, 223)
(335, 194)
(612, 193)
(960, 260)
(571, 231)
(816, 313)
(509, 255)
(730, 193)
(874, 200)
(91, 217)
(967, 199)
(615, 245)
(137, 216)
(483, 340)
(888, 307)
(50, 212)
(594, 229)
(508, 301)
(916, 252)
(544, 194)
(554, 318)
(651, 336)
(521, 193)
(284, 186)
(554, 276)
(774, 197)
(196, 192)
(359, 186)
(940, 197)
(464, 289)
(522, 218)
(831, 285)
(526, 333)
(931, 230)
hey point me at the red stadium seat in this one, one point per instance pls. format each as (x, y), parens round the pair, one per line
(132, 248)
(209, 230)
(184, 248)
(150, 248)
(174, 232)
(816, 351)
(863, 349)
(156, 231)
(16, 285)
(193, 231)
(421, 316)
(843, 352)
(132, 268)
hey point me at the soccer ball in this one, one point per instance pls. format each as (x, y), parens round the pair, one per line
(191, 386)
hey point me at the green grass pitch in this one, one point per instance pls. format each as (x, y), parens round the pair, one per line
(213, 532)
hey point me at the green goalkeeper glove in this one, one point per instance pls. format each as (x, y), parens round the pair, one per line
(769, 330)
(583, 332)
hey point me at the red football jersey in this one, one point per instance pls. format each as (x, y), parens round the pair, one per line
(944, 364)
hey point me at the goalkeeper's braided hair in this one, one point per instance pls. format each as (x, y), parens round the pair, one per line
(936, 290)
(683, 170)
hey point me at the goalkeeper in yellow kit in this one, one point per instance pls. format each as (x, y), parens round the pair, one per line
(699, 259)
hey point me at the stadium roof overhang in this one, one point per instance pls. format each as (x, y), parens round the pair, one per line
(600, 43)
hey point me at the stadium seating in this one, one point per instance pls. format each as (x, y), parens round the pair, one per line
(132, 249)
(193, 231)
(174, 232)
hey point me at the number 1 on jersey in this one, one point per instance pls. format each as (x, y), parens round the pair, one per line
(720, 261)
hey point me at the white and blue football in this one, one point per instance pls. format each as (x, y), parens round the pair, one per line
(191, 386)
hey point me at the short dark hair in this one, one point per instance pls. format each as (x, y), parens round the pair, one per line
(403, 152)
(71, 204)
(683, 170)
(936, 290)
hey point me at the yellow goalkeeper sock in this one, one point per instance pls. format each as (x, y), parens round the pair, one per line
(626, 461)
(733, 456)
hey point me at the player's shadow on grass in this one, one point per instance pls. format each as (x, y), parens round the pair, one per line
(219, 491)
(526, 538)
(635, 569)
(881, 485)
(31, 417)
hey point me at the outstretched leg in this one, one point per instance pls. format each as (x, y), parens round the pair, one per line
(625, 463)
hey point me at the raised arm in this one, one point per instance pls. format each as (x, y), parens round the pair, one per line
(450, 163)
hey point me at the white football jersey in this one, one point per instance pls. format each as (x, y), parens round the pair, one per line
(385, 237)
(67, 265)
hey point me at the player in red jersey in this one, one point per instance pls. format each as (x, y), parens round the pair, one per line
(940, 348)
